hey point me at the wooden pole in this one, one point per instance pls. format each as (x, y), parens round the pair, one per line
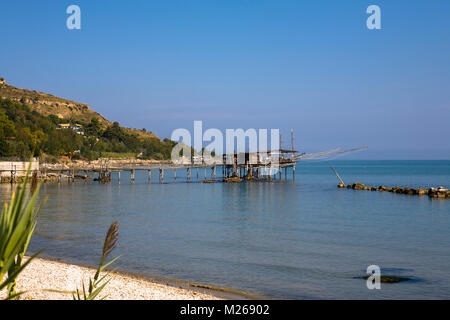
(337, 174)
(292, 141)
(279, 159)
(293, 153)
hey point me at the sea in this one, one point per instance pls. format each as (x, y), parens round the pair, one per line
(300, 238)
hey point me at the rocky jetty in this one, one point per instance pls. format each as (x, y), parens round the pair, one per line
(439, 193)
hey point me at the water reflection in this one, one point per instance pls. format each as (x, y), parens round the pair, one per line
(284, 239)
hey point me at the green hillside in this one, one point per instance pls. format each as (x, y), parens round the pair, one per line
(27, 130)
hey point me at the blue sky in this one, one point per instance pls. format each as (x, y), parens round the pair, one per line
(308, 65)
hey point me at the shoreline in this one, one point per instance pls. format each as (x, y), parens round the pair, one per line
(50, 279)
(216, 291)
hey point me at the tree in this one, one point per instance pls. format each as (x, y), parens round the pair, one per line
(93, 128)
(7, 128)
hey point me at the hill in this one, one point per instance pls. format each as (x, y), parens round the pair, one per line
(47, 104)
(42, 124)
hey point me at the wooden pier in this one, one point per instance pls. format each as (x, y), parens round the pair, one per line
(216, 172)
(237, 167)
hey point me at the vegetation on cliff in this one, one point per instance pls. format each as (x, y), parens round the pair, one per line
(25, 132)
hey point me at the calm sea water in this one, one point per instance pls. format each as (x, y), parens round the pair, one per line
(302, 239)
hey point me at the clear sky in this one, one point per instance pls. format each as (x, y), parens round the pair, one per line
(308, 65)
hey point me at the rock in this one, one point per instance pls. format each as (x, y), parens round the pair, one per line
(233, 179)
(397, 189)
(409, 191)
(358, 186)
(421, 191)
(393, 279)
(390, 279)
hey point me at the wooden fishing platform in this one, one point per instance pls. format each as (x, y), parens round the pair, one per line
(248, 166)
(237, 167)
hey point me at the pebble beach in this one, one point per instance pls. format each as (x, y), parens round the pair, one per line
(51, 280)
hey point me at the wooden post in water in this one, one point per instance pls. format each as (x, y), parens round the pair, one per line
(189, 174)
(118, 176)
(214, 173)
(292, 144)
(11, 176)
(161, 175)
(337, 174)
(279, 158)
(175, 174)
(132, 175)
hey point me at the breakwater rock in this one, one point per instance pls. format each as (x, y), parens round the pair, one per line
(438, 193)
(232, 179)
(390, 279)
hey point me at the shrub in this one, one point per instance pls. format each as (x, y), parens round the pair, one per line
(17, 223)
